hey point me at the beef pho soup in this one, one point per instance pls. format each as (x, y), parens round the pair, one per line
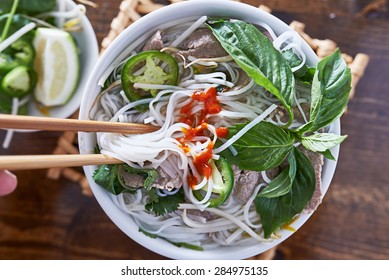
(238, 153)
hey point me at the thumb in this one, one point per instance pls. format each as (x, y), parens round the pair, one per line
(8, 182)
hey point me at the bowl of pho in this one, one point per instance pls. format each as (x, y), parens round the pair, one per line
(246, 130)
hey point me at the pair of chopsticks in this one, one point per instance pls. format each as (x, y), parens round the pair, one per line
(54, 124)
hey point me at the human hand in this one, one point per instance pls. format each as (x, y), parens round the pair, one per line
(8, 182)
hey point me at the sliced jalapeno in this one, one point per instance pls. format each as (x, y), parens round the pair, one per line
(19, 82)
(19, 53)
(223, 180)
(148, 67)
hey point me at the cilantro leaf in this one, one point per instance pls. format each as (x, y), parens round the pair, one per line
(166, 204)
(110, 177)
(153, 195)
(107, 176)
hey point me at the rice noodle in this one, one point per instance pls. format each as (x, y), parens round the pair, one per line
(187, 32)
(10, 132)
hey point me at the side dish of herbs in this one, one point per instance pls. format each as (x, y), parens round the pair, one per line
(38, 56)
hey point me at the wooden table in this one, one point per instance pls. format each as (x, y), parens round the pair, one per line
(46, 219)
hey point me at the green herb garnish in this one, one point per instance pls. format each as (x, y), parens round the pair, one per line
(255, 54)
(266, 146)
(161, 205)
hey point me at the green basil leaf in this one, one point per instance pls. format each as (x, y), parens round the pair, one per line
(330, 92)
(263, 147)
(275, 212)
(28, 6)
(178, 244)
(255, 54)
(304, 74)
(18, 21)
(321, 142)
(328, 155)
(282, 184)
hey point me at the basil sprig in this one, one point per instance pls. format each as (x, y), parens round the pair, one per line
(266, 145)
(330, 92)
(282, 184)
(255, 54)
(276, 211)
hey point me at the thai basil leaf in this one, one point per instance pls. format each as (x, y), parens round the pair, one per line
(304, 74)
(29, 7)
(282, 184)
(255, 54)
(263, 147)
(328, 155)
(18, 21)
(275, 212)
(321, 142)
(178, 244)
(330, 92)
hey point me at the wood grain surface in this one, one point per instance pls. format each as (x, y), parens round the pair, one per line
(48, 219)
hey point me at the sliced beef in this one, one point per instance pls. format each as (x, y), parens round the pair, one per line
(245, 181)
(165, 182)
(131, 180)
(266, 33)
(203, 214)
(284, 116)
(155, 42)
(202, 44)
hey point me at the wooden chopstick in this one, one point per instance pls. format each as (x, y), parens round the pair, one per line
(55, 124)
(48, 161)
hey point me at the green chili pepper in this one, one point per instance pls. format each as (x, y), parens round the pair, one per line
(223, 177)
(19, 82)
(149, 67)
(19, 53)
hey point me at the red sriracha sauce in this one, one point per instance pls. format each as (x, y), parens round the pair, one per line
(222, 132)
(198, 124)
(211, 106)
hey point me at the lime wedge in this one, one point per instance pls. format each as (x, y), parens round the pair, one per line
(57, 66)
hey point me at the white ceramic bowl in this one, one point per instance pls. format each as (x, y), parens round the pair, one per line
(87, 141)
(89, 54)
